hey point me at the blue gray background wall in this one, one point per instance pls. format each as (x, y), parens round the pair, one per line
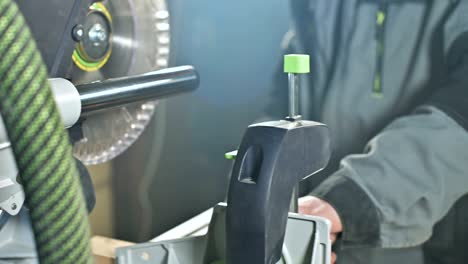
(177, 168)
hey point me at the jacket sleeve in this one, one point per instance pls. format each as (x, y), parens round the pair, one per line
(410, 174)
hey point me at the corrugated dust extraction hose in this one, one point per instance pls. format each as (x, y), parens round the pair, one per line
(40, 144)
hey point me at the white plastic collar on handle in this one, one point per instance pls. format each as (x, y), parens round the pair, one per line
(67, 99)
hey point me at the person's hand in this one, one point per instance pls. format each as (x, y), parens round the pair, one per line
(310, 205)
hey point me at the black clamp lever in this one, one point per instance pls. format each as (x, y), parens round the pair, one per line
(272, 159)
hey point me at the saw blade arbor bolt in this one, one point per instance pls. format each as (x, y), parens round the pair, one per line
(97, 34)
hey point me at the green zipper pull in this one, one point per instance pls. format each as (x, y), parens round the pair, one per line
(381, 21)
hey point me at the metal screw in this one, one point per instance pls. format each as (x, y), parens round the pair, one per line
(78, 33)
(13, 206)
(97, 33)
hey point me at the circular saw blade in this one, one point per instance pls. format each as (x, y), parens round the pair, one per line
(140, 43)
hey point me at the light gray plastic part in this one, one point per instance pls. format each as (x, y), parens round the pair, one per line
(17, 241)
(307, 241)
(11, 192)
(181, 251)
(67, 99)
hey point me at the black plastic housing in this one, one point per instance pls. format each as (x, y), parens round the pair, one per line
(52, 23)
(272, 159)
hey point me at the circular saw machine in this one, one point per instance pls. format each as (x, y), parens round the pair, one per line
(86, 41)
(107, 61)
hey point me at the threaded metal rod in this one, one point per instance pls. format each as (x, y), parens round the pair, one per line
(294, 116)
(293, 96)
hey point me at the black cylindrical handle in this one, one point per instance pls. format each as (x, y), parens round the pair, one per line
(102, 95)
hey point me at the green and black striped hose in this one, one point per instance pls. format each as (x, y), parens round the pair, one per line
(40, 144)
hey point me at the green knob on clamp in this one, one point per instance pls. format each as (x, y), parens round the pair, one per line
(296, 63)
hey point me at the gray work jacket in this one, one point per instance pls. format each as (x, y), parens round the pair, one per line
(390, 79)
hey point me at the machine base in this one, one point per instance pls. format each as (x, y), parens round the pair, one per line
(307, 241)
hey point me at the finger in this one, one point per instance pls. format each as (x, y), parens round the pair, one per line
(310, 205)
(333, 257)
